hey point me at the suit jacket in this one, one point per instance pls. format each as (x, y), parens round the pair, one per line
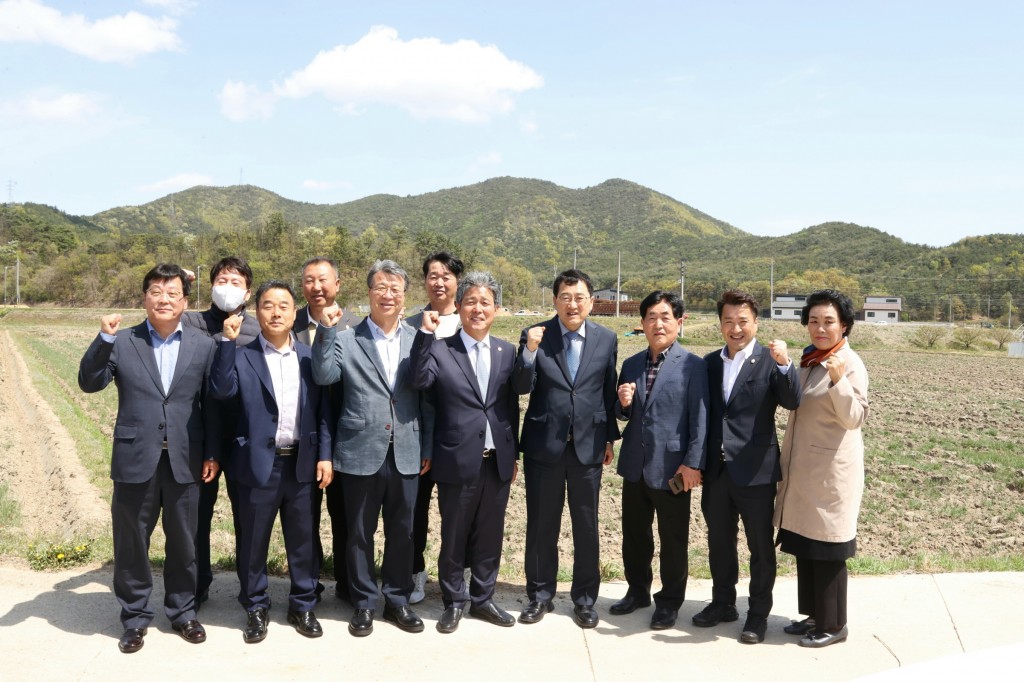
(461, 413)
(744, 428)
(211, 322)
(371, 412)
(146, 415)
(301, 326)
(667, 427)
(823, 454)
(585, 408)
(244, 373)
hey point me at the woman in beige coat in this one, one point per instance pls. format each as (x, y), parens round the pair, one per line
(822, 462)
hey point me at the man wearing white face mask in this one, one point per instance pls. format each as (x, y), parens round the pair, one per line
(231, 282)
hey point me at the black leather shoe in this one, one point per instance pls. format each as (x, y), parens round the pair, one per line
(493, 613)
(584, 616)
(629, 604)
(663, 618)
(255, 626)
(816, 640)
(799, 627)
(753, 629)
(132, 640)
(191, 631)
(534, 611)
(305, 623)
(361, 623)
(404, 617)
(449, 622)
(715, 613)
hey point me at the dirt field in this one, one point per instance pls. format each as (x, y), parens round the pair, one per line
(945, 480)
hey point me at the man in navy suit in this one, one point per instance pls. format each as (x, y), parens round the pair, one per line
(280, 457)
(748, 383)
(474, 454)
(663, 393)
(165, 443)
(567, 365)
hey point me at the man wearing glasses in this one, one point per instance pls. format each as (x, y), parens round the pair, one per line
(382, 443)
(164, 443)
(568, 366)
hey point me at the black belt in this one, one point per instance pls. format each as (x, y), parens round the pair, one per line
(489, 452)
(286, 451)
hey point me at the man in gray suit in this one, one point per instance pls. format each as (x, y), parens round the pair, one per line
(164, 445)
(663, 393)
(382, 443)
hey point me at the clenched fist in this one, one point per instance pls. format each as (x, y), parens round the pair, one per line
(533, 337)
(779, 351)
(626, 392)
(331, 315)
(110, 323)
(836, 367)
(431, 318)
(232, 327)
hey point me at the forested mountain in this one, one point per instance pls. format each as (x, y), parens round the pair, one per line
(524, 230)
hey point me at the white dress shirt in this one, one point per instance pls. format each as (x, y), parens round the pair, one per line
(283, 365)
(485, 353)
(389, 349)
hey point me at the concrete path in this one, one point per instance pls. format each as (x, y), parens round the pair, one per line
(960, 626)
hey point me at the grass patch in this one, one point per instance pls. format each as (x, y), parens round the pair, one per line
(10, 515)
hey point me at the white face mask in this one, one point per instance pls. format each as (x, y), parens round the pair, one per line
(227, 297)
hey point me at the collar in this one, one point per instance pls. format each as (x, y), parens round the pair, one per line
(379, 334)
(271, 348)
(582, 331)
(741, 355)
(154, 332)
(468, 341)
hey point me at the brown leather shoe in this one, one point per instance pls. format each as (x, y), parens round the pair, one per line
(191, 631)
(132, 640)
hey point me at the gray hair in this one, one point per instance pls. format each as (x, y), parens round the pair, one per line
(477, 279)
(389, 267)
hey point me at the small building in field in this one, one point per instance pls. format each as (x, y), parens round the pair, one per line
(881, 309)
(610, 295)
(788, 306)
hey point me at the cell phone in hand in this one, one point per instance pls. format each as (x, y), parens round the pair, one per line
(675, 484)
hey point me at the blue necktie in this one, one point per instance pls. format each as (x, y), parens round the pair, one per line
(572, 356)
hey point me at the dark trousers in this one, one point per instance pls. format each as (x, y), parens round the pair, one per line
(391, 495)
(339, 532)
(724, 503)
(473, 529)
(821, 592)
(421, 522)
(639, 505)
(208, 493)
(134, 510)
(546, 486)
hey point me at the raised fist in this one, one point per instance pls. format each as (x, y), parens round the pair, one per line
(232, 327)
(431, 318)
(533, 337)
(331, 315)
(836, 367)
(626, 392)
(110, 323)
(779, 351)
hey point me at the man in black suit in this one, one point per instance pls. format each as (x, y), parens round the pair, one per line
(747, 383)
(568, 366)
(475, 453)
(164, 445)
(230, 287)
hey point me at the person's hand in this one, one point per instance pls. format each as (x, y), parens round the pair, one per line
(691, 477)
(324, 474)
(424, 466)
(232, 327)
(626, 392)
(836, 367)
(779, 351)
(189, 275)
(110, 323)
(609, 454)
(210, 469)
(533, 337)
(431, 319)
(331, 315)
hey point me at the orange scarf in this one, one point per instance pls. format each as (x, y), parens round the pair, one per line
(814, 356)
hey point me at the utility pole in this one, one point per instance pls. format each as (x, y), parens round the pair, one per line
(771, 290)
(17, 281)
(5, 283)
(574, 257)
(618, 286)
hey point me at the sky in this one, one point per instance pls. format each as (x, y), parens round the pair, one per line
(906, 116)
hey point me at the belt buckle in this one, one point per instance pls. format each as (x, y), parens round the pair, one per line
(489, 452)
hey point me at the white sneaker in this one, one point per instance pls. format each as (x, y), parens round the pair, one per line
(419, 582)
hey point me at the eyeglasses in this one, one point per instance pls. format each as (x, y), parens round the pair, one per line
(173, 296)
(579, 299)
(381, 290)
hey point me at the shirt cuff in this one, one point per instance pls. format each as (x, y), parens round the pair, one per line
(109, 338)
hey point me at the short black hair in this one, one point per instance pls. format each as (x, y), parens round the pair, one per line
(655, 297)
(232, 263)
(166, 271)
(841, 302)
(571, 277)
(737, 297)
(274, 284)
(317, 260)
(447, 259)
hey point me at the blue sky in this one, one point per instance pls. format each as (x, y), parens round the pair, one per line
(773, 116)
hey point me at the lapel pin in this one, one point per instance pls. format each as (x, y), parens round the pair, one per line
(753, 361)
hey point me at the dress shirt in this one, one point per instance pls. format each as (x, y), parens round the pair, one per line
(166, 353)
(731, 367)
(484, 351)
(389, 349)
(283, 365)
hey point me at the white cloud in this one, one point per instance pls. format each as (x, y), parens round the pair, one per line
(243, 102)
(118, 38)
(464, 80)
(324, 185)
(49, 106)
(178, 182)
